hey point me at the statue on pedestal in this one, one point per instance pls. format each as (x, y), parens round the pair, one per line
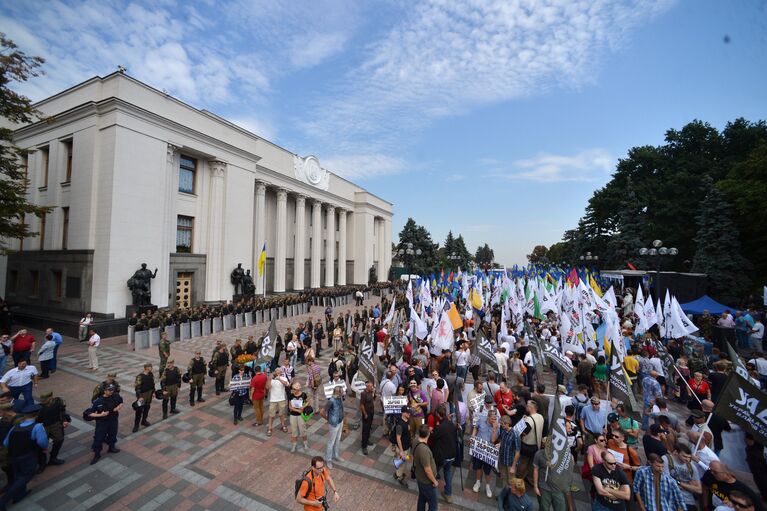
(237, 276)
(140, 285)
(248, 287)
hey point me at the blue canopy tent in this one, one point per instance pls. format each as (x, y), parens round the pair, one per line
(705, 302)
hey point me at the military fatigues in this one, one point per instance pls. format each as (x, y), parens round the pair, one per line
(106, 427)
(221, 362)
(53, 416)
(170, 382)
(144, 389)
(164, 348)
(196, 370)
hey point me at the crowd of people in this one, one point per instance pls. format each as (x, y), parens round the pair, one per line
(663, 454)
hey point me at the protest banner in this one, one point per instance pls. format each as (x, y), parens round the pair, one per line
(484, 450)
(484, 350)
(269, 344)
(328, 388)
(366, 366)
(519, 427)
(393, 404)
(559, 471)
(564, 364)
(744, 404)
(239, 384)
(619, 386)
(476, 402)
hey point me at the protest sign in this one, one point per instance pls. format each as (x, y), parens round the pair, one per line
(484, 450)
(484, 350)
(564, 364)
(393, 404)
(239, 384)
(619, 384)
(559, 472)
(366, 366)
(744, 404)
(519, 427)
(476, 402)
(328, 388)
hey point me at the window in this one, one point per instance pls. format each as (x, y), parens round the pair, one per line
(187, 169)
(68, 150)
(184, 230)
(13, 281)
(35, 276)
(45, 152)
(42, 231)
(57, 284)
(65, 228)
(73, 287)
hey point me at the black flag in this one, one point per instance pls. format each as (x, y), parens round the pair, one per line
(744, 404)
(564, 364)
(619, 384)
(366, 365)
(269, 345)
(483, 349)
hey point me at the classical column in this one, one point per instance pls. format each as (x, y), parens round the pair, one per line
(259, 233)
(380, 248)
(215, 245)
(330, 248)
(386, 247)
(170, 223)
(316, 242)
(341, 247)
(280, 250)
(299, 252)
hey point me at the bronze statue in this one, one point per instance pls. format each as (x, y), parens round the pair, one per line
(237, 276)
(140, 285)
(248, 287)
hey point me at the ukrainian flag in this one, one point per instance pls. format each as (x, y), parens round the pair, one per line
(262, 261)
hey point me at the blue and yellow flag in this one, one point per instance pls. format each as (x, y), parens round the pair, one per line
(262, 261)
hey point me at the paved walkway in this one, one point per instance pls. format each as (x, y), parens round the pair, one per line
(198, 459)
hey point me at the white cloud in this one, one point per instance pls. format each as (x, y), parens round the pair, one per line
(362, 166)
(258, 126)
(589, 165)
(445, 58)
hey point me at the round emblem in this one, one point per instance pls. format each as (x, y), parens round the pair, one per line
(313, 171)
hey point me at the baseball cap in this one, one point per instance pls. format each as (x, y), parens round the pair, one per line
(595, 400)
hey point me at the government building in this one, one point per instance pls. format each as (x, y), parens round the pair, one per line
(136, 176)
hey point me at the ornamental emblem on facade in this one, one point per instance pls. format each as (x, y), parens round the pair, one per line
(309, 170)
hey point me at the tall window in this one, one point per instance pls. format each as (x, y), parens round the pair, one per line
(35, 275)
(57, 284)
(184, 231)
(42, 231)
(65, 228)
(68, 149)
(45, 152)
(187, 170)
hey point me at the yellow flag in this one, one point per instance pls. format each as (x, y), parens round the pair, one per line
(595, 286)
(262, 261)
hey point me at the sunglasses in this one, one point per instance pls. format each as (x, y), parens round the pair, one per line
(740, 505)
(600, 439)
(616, 437)
(609, 464)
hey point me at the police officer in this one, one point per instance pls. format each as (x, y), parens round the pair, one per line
(221, 362)
(6, 423)
(54, 418)
(24, 442)
(196, 370)
(169, 383)
(105, 411)
(164, 348)
(98, 391)
(144, 386)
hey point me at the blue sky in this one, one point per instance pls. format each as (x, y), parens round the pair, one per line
(496, 119)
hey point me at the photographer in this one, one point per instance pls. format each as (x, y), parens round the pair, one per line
(311, 493)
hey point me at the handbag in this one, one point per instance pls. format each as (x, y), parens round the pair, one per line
(231, 399)
(530, 449)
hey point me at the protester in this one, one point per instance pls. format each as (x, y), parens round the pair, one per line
(445, 440)
(486, 428)
(277, 401)
(297, 405)
(611, 485)
(312, 492)
(655, 490)
(425, 471)
(516, 499)
(257, 394)
(719, 483)
(680, 467)
(549, 495)
(333, 412)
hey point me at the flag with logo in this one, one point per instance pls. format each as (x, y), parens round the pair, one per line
(484, 350)
(737, 363)
(366, 365)
(744, 404)
(559, 469)
(620, 385)
(269, 344)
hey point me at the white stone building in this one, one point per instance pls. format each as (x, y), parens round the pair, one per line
(136, 176)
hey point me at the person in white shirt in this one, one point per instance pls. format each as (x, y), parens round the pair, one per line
(502, 361)
(760, 362)
(85, 323)
(462, 360)
(757, 334)
(529, 362)
(93, 348)
(726, 320)
(20, 380)
(278, 401)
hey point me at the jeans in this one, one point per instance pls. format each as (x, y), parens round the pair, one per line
(530, 378)
(366, 426)
(427, 494)
(55, 358)
(461, 372)
(239, 400)
(26, 390)
(334, 442)
(23, 468)
(597, 506)
(447, 471)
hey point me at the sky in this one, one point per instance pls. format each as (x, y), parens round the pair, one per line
(495, 119)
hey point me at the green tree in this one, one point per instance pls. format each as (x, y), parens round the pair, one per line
(625, 242)
(558, 253)
(484, 256)
(420, 238)
(538, 255)
(15, 66)
(719, 253)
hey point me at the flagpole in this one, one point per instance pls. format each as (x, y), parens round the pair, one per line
(687, 384)
(705, 427)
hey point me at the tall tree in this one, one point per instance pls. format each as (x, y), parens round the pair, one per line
(420, 239)
(15, 66)
(719, 253)
(538, 255)
(625, 242)
(484, 256)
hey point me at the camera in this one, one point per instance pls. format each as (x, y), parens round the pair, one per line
(324, 501)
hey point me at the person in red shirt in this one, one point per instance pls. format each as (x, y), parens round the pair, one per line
(23, 346)
(258, 393)
(504, 399)
(700, 388)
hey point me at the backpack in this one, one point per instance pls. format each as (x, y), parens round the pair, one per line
(301, 480)
(316, 380)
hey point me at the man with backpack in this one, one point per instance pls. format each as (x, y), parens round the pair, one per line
(310, 489)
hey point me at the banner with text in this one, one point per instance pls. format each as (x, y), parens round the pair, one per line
(393, 404)
(484, 450)
(744, 404)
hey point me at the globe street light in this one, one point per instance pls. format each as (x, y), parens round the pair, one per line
(588, 258)
(408, 255)
(657, 251)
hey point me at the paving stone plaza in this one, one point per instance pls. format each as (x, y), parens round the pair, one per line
(198, 459)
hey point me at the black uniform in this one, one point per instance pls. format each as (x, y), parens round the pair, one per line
(106, 427)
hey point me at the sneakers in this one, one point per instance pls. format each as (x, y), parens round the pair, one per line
(329, 464)
(293, 449)
(306, 446)
(365, 451)
(488, 491)
(448, 498)
(477, 486)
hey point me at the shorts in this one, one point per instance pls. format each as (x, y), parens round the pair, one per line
(278, 408)
(297, 426)
(477, 464)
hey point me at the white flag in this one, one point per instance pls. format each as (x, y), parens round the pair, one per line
(409, 293)
(660, 319)
(420, 329)
(442, 336)
(390, 316)
(682, 324)
(639, 310)
(650, 317)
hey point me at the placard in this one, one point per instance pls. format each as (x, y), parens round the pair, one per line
(484, 450)
(239, 384)
(520, 426)
(618, 455)
(393, 404)
(476, 402)
(328, 387)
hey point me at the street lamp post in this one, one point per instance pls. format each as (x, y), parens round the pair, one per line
(588, 259)
(656, 252)
(453, 258)
(408, 254)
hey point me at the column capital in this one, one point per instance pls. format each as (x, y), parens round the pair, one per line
(300, 199)
(217, 168)
(260, 187)
(330, 207)
(172, 151)
(341, 210)
(316, 204)
(282, 194)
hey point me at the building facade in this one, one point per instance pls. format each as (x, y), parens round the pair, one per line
(136, 176)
